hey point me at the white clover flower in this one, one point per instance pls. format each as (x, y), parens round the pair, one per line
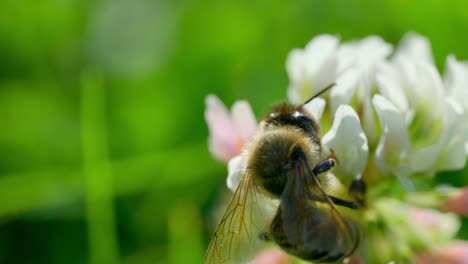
(434, 122)
(312, 68)
(347, 138)
(456, 83)
(390, 119)
(351, 65)
(229, 132)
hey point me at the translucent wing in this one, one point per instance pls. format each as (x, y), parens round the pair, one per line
(311, 222)
(237, 237)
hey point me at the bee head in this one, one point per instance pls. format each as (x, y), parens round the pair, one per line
(292, 116)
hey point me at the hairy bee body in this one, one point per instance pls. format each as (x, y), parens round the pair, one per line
(318, 245)
(270, 161)
(284, 161)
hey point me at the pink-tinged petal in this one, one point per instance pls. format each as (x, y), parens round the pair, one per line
(228, 132)
(272, 256)
(458, 203)
(222, 150)
(224, 139)
(217, 116)
(244, 120)
(454, 253)
(432, 225)
(353, 260)
(425, 259)
(425, 218)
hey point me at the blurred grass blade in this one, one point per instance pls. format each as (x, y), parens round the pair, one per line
(40, 190)
(98, 179)
(185, 233)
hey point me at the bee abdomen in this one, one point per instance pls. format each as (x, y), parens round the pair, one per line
(315, 243)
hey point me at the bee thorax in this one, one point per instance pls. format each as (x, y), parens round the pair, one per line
(272, 157)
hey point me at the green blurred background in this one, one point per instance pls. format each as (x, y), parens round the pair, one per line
(103, 140)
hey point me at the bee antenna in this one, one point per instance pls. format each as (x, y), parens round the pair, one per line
(319, 93)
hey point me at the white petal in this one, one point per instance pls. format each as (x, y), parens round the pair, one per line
(344, 89)
(373, 49)
(365, 53)
(301, 64)
(326, 74)
(424, 89)
(347, 56)
(236, 169)
(349, 142)
(319, 50)
(311, 69)
(407, 73)
(448, 153)
(368, 122)
(430, 88)
(390, 85)
(295, 66)
(394, 145)
(423, 160)
(244, 119)
(456, 83)
(315, 108)
(453, 156)
(294, 94)
(456, 80)
(415, 47)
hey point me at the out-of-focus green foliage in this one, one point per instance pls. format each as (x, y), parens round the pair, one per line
(103, 154)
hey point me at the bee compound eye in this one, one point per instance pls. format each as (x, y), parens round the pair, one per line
(304, 119)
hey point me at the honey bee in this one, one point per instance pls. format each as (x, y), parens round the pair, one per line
(283, 165)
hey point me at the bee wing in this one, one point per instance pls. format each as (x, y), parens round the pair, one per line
(237, 237)
(311, 219)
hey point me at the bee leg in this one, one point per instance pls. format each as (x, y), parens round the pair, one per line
(357, 190)
(345, 203)
(337, 201)
(324, 165)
